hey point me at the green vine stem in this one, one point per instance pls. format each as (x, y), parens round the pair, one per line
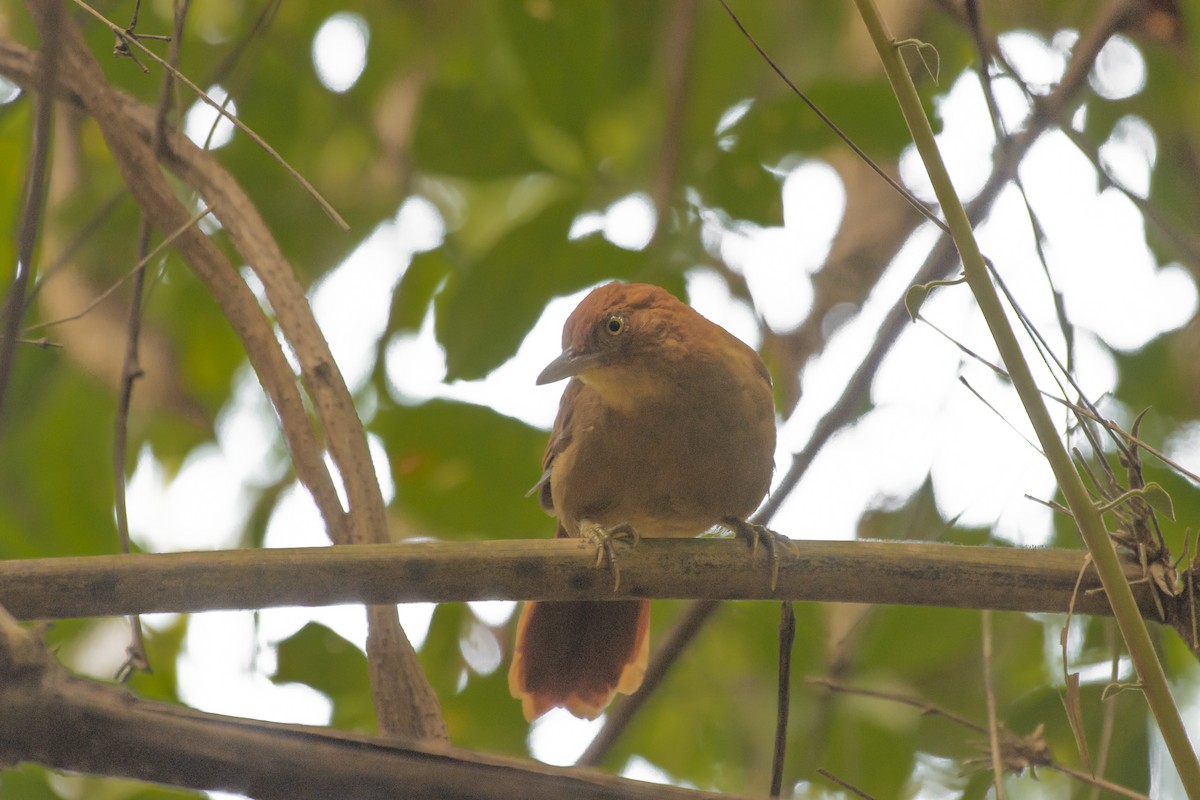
(1087, 516)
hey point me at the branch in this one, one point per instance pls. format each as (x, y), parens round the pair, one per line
(940, 263)
(676, 46)
(908, 573)
(83, 87)
(942, 260)
(1087, 516)
(69, 723)
(34, 200)
(1019, 753)
(127, 37)
(405, 703)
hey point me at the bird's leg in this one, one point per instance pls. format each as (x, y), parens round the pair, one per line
(754, 534)
(603, 538)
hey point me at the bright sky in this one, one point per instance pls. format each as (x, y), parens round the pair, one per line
(923, 420)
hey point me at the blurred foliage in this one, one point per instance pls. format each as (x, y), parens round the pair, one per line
(440, 450)
(515, 118)
(341, 677)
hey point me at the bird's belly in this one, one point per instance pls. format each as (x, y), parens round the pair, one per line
(665, 476)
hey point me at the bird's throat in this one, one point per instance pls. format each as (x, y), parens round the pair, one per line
(625, 389)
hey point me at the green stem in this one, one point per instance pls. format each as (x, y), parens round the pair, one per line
(1087, 517)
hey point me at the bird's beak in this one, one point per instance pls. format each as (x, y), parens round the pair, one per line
(569, 363)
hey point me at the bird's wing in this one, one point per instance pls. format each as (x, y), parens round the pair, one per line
(560, 438)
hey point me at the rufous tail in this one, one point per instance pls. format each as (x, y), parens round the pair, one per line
(578, 654)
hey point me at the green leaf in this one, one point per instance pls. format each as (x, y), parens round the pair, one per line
(914, 298)
(411, 300)
(929, 55)
(472, 130)
(479, 711)
(484, 310)
(484, 716)
(55, 456)
(487, 306)
(462, 470)
(918, 293)
(580, 57)
(27, 782)
(441, 654)
(1158, 499)
(320, 658)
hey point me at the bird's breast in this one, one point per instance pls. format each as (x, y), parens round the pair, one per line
(672, 459)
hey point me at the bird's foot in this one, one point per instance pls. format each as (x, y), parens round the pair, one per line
(603, 539)
(774, 542)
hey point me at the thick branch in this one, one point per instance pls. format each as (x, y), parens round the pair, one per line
(908, 573)
(79, 725)
(405, 704)
(129, 126)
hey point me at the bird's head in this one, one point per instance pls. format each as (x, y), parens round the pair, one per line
(618, 328)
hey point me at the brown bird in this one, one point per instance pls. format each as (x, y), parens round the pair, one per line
(667, 428)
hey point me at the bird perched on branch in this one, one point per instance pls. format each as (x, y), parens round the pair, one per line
(667, 428)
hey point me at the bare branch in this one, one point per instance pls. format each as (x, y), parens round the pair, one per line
(69, 723)
(1020, 753)
(908, 573)
(126, 37)
(141, 263)
(128, 127)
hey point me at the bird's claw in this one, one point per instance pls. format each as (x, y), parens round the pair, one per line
(773, 541)
(603, 538)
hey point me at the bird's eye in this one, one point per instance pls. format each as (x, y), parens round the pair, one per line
(615, 324)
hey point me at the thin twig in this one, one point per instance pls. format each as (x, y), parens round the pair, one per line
(1108, 724)
(85, 232)
(140, 265)
(121, 47)
(983, 59)
(234, 54)
(940, 263)
(787, 636)
(1185, 241)
(1152, 677)
(987, 403)
(982, 65)
(923, 209)
(136, 658)
(1097, 782)
(989, 689)
(983, 51)
(932, 710)
(34, 199)
(1046, 352)
(308, 187)
(1089, 412)
(926, 708)
(849, 787)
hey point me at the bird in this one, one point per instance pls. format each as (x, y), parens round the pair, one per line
(665, 428)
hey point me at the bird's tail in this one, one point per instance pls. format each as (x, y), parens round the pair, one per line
(578, 654)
